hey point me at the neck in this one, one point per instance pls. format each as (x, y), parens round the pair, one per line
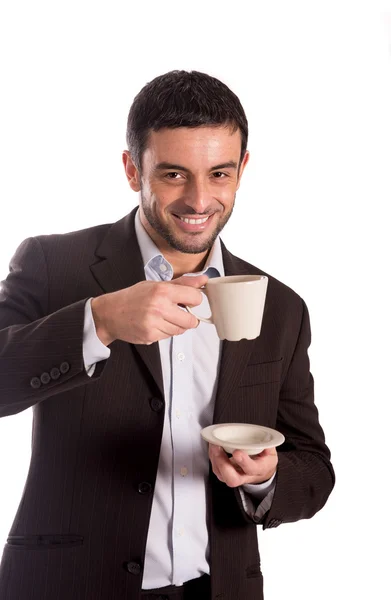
(181, 262)
(188, 263)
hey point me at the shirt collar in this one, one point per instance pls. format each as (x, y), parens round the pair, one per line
(154, 259)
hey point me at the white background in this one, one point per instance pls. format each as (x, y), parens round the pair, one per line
(315, 81)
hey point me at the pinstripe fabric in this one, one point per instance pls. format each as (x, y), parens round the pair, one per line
(80, 530)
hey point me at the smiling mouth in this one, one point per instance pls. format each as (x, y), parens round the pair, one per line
(194, 221)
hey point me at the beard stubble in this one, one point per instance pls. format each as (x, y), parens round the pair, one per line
(190, 246)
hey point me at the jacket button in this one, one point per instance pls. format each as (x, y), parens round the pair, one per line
(144, 487)
(35, 383)
(157, 404)
(64, 367)
(55, 373)
(133, 568)
(45, 378)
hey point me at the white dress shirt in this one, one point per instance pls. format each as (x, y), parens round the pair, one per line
(178, 545)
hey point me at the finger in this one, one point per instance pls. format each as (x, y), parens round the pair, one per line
(255, 465)
(216, 471)
(222, 463)
(174, 322)
(217, 454)
(215, 467)
(237, 468)
(185, 295)
(191, 280)
(178, 317)
(180, 295)
(167, 331)
(214, 454)
(185, 289)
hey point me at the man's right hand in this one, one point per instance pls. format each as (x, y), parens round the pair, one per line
(147, 311)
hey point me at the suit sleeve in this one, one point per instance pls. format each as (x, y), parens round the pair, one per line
(41, 354)
(305, 476)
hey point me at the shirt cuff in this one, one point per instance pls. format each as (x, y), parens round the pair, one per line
(259, 490)
(257, 498)
(93, 349)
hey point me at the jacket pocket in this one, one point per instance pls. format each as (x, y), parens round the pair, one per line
(45, 541)
(267, 372)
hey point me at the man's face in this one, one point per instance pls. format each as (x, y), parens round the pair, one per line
(189, 174)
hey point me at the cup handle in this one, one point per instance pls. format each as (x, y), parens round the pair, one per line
(203, 319)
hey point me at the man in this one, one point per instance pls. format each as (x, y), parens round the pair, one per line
(123, 499)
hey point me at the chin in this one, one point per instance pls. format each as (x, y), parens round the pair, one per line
(184, 245)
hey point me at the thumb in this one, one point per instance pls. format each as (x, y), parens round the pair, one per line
(196, 281)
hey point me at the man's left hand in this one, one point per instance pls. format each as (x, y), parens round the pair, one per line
(241, 468)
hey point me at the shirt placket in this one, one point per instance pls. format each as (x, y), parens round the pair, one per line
(182, 389)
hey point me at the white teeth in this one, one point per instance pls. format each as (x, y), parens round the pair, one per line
(194, 221)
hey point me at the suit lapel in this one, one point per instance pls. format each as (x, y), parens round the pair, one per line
(120, 266)
(234, 355)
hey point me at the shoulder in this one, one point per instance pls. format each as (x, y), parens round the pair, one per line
(90, 237)
(63, 252)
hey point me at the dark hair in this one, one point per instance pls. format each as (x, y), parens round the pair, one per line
(182, 99)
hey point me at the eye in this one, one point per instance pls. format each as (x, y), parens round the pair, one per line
(172, 175)
(218, 175)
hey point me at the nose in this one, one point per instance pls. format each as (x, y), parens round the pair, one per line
(198, 197)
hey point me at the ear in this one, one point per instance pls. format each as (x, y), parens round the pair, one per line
(245, 160)
(131, 171)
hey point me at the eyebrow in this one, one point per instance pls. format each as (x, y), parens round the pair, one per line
(231, 164)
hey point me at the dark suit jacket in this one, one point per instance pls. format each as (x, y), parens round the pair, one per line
(81, 527)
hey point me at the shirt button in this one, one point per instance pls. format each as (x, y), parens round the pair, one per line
(181, 356)
(180, 531)
(163, 268)
(178, 413)
(184, 471)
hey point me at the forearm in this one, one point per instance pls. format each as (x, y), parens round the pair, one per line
(304, 482)
(40, 359)
(305, 476)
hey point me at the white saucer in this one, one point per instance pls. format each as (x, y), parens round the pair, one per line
(252, 439)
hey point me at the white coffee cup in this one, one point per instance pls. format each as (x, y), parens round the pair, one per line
(237, 303)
